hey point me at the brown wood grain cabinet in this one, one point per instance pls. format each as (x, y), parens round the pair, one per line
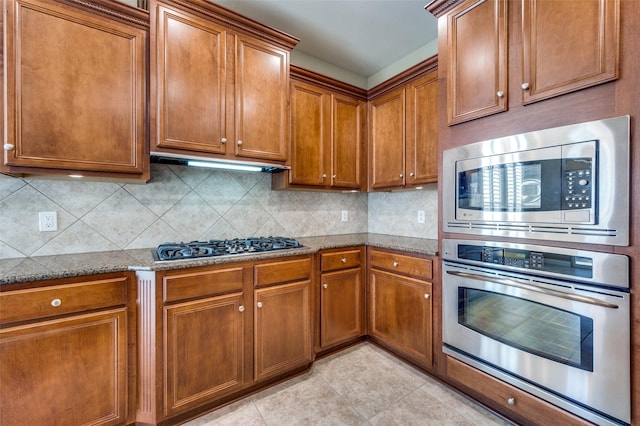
(400, 304)
(403, 134)
(219, 83)
(566, 46)
(342, 296)
(328, 134)
(64, 352)
(75, 82)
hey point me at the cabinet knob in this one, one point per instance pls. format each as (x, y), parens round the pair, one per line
(8, 147)
(325, 285)
(324, 176)
(395, 263)
(500, 94)
(259, 304)
(401, 175)
(412, 174)
(335, 176)
(56, 302)
(343, 260)
(511, 401)
(239, 143)
(426, 296)
(241, 308)
(524, 86)
(223, 140)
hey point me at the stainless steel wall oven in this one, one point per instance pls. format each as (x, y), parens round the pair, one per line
(551, 321)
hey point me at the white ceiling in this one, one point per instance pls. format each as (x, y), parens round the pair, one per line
(360, 36)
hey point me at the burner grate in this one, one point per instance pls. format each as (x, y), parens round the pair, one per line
(211, 248)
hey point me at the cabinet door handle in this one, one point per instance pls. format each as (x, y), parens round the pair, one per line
(8, 147)
(500, 94)
(343, 260)
(395, 264)
(239, 143)
(324, 176)
(401, 175)
(511, 401)
(335, 176)
(223, 140)
(325, 285)
(524, 86)
(259, 304)
(56, 302)
(426, 296)
(241, 308)
(412, 174)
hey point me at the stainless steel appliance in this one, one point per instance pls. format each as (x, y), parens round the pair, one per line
(568, 183)
(554, 322)
(198, 249)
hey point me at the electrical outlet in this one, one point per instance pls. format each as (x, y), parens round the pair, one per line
(420, 216)
(48, 221)
(345, 216)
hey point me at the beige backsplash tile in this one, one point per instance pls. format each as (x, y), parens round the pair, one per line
(184, 204)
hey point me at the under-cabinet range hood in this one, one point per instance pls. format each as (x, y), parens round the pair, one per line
(214, 163)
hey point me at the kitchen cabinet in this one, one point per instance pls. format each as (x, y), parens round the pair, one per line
(342, 296)
(558, 55)
(282, 320)
(328, 134)
(220, 83)
(64, 352)
(400, 304)
(403, 134)
(75, 89)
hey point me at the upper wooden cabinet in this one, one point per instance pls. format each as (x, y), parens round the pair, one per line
(75, 89)
(219, 83)
(403, 134)
(328, 134)
(565, 46)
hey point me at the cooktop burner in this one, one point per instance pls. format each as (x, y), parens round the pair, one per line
(198, 249)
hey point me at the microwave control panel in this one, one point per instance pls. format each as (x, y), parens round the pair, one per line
(577, 183)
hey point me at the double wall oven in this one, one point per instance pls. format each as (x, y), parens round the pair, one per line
(549, 319)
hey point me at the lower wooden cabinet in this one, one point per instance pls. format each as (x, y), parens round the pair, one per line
(68, 369)
(400, 304)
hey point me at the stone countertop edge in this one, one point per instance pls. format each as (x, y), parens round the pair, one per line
(39, 268)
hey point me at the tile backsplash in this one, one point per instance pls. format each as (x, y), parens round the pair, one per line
(184, 204)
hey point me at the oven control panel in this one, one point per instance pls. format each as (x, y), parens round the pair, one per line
(515, 258)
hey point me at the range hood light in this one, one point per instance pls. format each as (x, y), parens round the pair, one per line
(225, 166)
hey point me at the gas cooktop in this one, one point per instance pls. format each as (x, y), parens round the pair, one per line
(211, 248)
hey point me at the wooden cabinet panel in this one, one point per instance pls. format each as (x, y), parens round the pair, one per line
(332, 261)
(400, 314)
(347, 135)
(568, 45)
(341, 306)
(190, 68)
(36, 303)
(76, 91)
(202, 283)
(401, 264)
(422, 130)
(67, 371)
(204, 349)
(386, 140)
(282, 328)
(282, 271)
(477, 60)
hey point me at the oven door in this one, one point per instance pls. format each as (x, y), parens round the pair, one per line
(563, 338)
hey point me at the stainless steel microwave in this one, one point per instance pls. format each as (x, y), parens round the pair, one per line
(567, 183)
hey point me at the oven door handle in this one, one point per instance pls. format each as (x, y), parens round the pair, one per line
(525, 286)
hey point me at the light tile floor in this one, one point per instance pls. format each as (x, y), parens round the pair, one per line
(362, 385)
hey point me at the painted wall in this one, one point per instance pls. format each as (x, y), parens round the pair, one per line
(184, 204)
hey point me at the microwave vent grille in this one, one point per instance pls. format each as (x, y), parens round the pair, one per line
(527, 230)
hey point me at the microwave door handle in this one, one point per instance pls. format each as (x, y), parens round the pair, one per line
(525, 286)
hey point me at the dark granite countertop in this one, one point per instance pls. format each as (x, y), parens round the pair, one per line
(71, 265)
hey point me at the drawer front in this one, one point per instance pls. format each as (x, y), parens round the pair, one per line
(190, 284)
(401, 264)
(29, 304)
(282, 271)
(341, 260)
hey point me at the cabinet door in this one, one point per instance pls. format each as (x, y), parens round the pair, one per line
(477, 59)
(67, 371)
(310, 134)
(188, 95)
(422, 130)
(261, 100)
(386, 140)
(568, 45)
(282, 328)
(76, 91)
(341, 307)
(347, 140)
(204, 343)
(400, 314)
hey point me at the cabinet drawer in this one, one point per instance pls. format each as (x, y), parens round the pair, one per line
(341, 260)
(282, 271)
(401, 264)
(192, 284)
(23, 305)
